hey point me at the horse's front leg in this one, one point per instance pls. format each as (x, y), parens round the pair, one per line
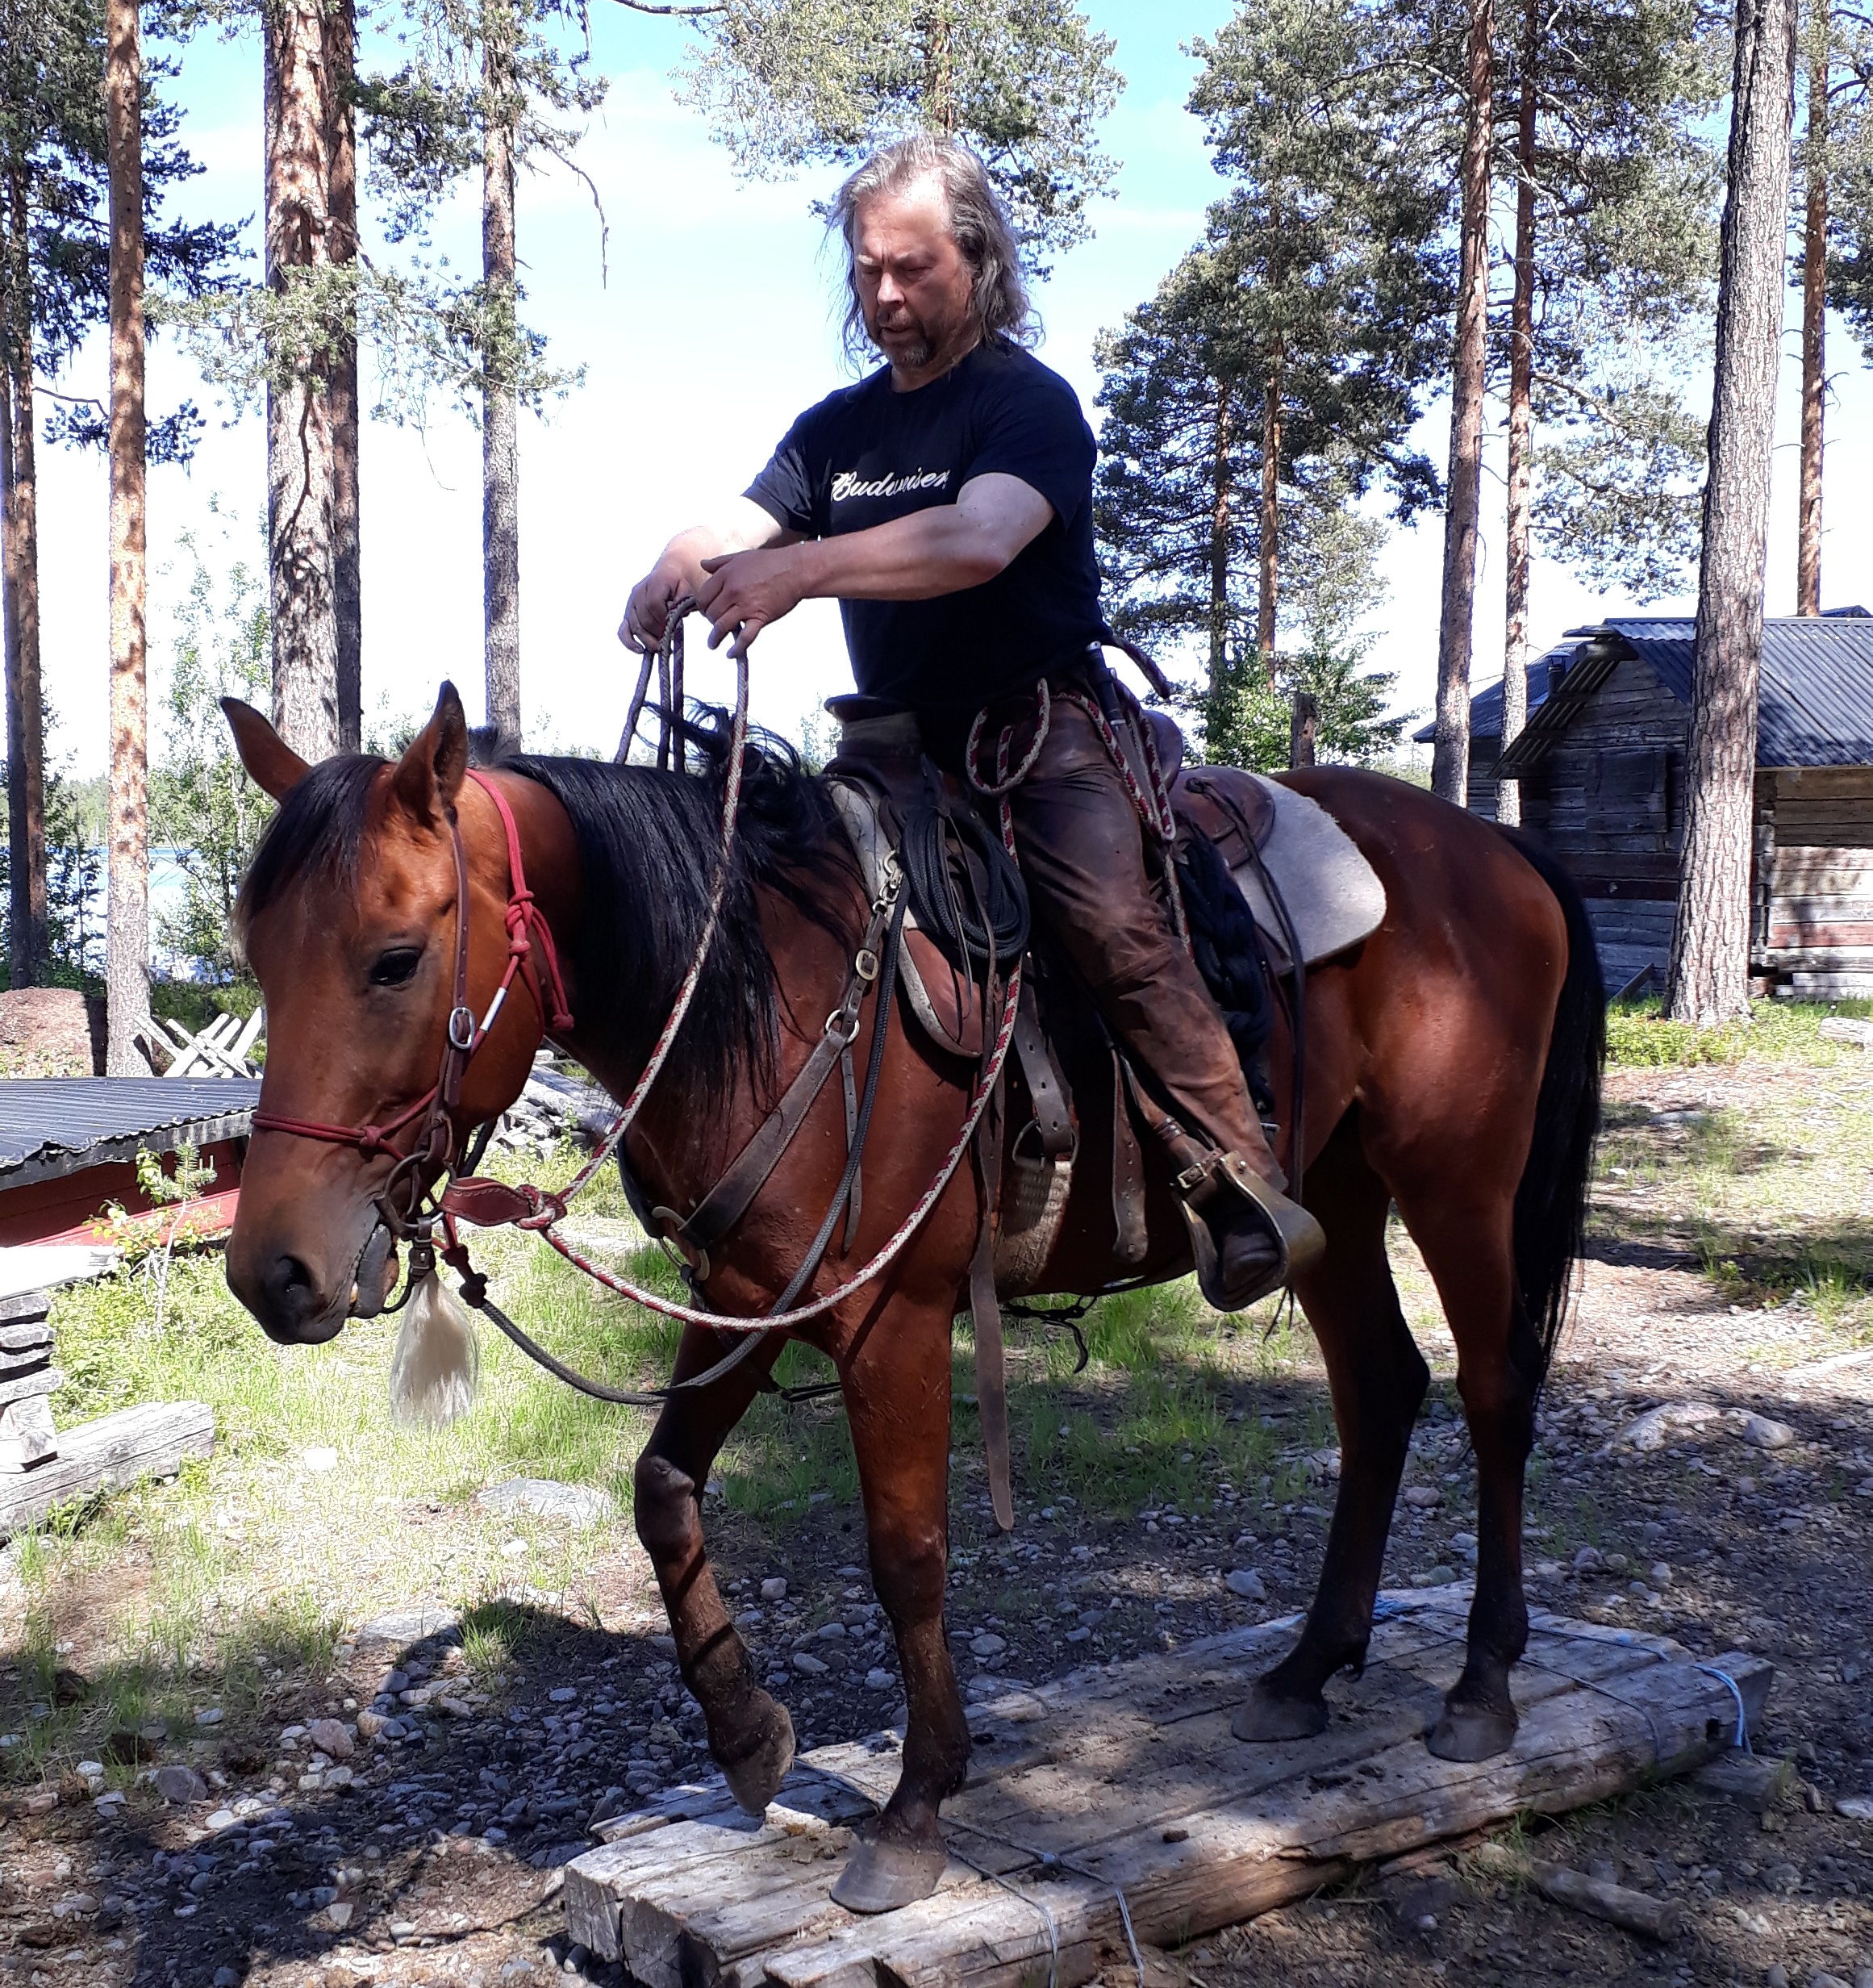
(897, 1396)
(750, 1735)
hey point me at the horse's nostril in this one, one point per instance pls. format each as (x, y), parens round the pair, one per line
(289, 1281)
(289, 1296)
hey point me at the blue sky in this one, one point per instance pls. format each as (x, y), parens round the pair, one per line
(716, 324)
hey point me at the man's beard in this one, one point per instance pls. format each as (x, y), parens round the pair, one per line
(928, 340)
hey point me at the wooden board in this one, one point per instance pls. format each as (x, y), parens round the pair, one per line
(106, 1455)
(1125, 1778)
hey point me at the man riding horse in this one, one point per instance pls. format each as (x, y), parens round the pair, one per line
(946, 502)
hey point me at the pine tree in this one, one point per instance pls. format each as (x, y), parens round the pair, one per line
(1836, 155)
(1707, 980)
(1199, 490)
(497, 86)
(54, 286)
(1433, 89)
(127, 934)
(793, 83)
(1611, 253)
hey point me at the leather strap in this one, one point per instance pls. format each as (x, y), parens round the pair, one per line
(748, 1173)
(991, 1380)
(729, 1198)
(1128, 1223)
(854, 1201)
(1052, 1117)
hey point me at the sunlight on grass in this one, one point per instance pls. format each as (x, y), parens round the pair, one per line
(1637, 1034)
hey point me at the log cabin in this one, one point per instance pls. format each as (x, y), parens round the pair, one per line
(1601, 766)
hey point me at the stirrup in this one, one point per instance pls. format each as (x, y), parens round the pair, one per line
(1221, 1186)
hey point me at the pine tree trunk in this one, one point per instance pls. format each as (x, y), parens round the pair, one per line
(1451, 753)
(1269, 529)
(303, 581)
(126, 935)
(348, 585)
(26, 715)
(1708, 982)
(1814, 324)
(500, 405)
(18, 903)
(1515, 646)
(1219, 511)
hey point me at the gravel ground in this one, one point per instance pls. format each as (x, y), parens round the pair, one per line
(401, 1818)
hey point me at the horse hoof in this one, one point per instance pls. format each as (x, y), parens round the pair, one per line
(754, 1780)
(1471, 1732)
(881, 1877)
(1263, 1717)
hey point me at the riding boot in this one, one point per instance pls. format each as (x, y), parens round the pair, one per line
(1082, 849)
(1247, 1237)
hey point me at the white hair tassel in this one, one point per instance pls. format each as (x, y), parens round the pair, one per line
(432, 1372)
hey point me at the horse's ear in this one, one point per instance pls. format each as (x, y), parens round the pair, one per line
(272, 764)
(429, 775)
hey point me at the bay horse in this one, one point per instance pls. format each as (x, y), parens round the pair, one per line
(1453, 1068)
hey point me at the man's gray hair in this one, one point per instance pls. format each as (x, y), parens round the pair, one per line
(978, 225)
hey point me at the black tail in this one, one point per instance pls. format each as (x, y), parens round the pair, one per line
(1550, 1223)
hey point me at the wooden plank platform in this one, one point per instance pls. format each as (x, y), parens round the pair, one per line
(1124, 1778)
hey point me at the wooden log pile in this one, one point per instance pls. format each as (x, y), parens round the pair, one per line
(28, 1380)
(41, 1468)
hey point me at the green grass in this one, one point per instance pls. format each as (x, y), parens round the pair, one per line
(1637, 1034)
(232, 1584)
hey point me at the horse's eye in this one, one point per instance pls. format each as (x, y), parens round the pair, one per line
(396, 967)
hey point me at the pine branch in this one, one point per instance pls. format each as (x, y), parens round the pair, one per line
(687, 13)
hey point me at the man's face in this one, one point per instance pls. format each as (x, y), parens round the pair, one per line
(912, 282)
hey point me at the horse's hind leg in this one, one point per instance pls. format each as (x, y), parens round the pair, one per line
(1469, 1249)
(1379, 1379)
(750, 1734)
(897, 1395)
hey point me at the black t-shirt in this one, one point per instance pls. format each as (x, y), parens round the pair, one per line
(866, 455)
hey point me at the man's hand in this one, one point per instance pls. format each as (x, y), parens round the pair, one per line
(746, 590)
(741, 525)
(646, 612)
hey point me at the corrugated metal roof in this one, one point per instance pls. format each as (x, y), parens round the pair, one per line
(1486, 706)
(55, 1126)
(1814, 708)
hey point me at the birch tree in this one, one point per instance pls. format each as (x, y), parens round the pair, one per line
(1707, 980)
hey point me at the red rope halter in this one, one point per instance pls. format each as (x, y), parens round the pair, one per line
(527, 926)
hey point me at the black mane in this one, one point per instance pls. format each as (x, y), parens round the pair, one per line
(648, 844)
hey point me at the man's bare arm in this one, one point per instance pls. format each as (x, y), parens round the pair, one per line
(743, 526)
(942, 550)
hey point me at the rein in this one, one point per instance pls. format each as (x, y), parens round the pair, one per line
(487, 1203)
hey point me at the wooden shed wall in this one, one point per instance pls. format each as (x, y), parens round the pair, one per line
(1813, 920)
(1608, 799)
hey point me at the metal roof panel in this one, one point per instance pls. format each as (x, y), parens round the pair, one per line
(1815, 703)
(55, 1126)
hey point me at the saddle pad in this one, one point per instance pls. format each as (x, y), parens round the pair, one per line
(1333, 895)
